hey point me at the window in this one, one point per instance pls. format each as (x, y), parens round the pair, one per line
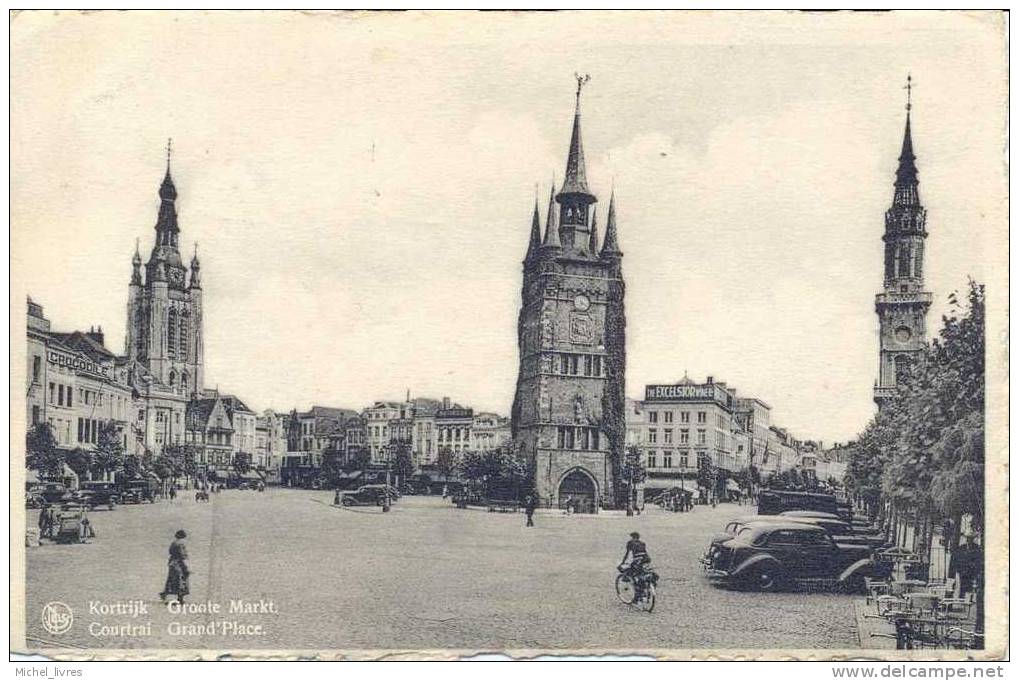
(588, 365)
(597, 366)
(684, 436)
(702, 436)
(35, 415)
(171, 334)
(668, 416)
(652, 435)
(53, 394)
(652, 417)
(668, 435)
(684, 416)
(702, 417)
(60, 395)
(684, 459)
(652, 459)
(36, 368)
(667, 459)
(183, 339)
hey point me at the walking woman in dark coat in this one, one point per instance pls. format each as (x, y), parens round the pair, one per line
(177, 569)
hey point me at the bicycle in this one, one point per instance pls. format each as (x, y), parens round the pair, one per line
(637, 590)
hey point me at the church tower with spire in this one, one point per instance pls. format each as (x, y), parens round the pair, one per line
(902, 305)
(568, 410)
(164, 306)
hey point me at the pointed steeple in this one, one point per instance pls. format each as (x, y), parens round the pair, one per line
(576, 171)
(166, 224)
(906, 182)
(136, 266)
(611, 247)
(196, 270)
(592, 246)
(551, 224)
(534, 243)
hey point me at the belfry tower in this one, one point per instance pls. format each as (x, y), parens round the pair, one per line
(164, 309)
(902, 305)
(568, 411)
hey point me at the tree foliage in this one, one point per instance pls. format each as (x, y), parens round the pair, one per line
(924, 450)
(41, 452)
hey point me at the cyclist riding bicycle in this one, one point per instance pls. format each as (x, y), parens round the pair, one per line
(636, 551)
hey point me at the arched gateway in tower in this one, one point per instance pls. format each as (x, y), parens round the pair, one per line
(568, 411)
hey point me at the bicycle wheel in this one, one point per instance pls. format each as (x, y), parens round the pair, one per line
(647, 603)
(624, 588)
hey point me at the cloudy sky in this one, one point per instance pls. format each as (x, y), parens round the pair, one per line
(361, 186)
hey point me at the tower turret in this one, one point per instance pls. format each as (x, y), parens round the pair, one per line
(611, 247)
(534, 242)
(196, 274)
(552, 241)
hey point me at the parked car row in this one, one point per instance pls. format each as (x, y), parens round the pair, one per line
(794, 548)
(367, 495)
(90, 494)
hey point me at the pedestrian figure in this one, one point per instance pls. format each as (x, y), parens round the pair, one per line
(173, 492)
(178, 574)
(46, 521)
(529, 505)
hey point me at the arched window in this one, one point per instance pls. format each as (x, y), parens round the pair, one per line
(182, 344)
(171, 334)
(173, 377)
(184, 382)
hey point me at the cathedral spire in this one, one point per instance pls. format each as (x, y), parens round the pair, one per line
(166, 224)
(535, 241)
(611, 247)
(551, 224)
(592, 246)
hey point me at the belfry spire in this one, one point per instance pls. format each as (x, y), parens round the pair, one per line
(906, 182)
(592, 246)
(576, 171)
(534, 243)
(611, 247)
(551, 224)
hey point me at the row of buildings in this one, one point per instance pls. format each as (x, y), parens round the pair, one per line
(678, 426)
(153, 400)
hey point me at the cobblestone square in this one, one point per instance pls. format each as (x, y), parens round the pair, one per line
(426, 575)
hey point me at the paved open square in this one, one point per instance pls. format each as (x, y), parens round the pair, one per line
(309, 575)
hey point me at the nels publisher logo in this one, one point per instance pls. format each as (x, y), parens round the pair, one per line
(57, 617)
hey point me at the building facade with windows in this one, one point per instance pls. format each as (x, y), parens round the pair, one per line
(489, 432)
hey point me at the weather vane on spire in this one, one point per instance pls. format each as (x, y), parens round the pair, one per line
(169, 151)
(581, 81)
(909, 91)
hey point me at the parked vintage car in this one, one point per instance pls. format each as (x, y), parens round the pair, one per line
(841, 530)
(92, 495)
(366, 495)
(771, 555)
(137, 492)
(38, 494)
(773, 502)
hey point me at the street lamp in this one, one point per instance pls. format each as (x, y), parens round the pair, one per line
(389, 459)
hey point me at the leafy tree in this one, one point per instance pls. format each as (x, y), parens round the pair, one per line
(403, 464)
(359, 460)
(80, 461)
(633, 473)
(41, 451)
(109, 455)
(332, 464)
(447, 463)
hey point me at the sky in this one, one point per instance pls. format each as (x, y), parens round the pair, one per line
(360, 187)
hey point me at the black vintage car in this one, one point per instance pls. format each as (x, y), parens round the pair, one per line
(773, 502)
(841, 531)
(772, 555)
(367, 495)
(38, 494)
(95, 494)
(137, 492)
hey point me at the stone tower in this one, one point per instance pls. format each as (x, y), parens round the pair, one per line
(164, 309)
(568, 411)
(902, 305)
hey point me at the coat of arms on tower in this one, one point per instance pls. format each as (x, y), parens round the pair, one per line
(581, 328)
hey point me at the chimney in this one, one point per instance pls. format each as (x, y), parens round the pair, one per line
(96, 335)
(445, 403)
(711, 379)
